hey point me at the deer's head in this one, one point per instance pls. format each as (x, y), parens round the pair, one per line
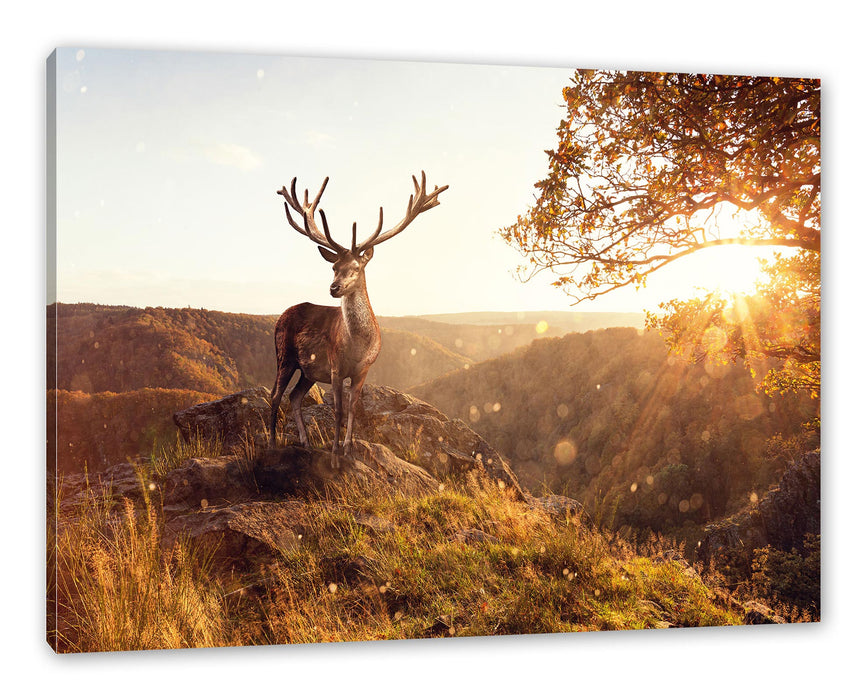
(348, 269)
(349, 263)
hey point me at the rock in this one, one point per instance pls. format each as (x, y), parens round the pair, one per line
(115, 483)
(296, 470)
(557, 506)
(233, 418)
(416, 432)
(230, 419)
(413, 430)
(781, 519)
(207, 481)
(241, 533)
(248, 506)
(755, 613)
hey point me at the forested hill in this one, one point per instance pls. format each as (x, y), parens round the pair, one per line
(481, 335)
(120, 348)
(123, 348)
(609, 414)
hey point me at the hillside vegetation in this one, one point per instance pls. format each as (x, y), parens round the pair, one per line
(609, 418)
(118, 349)
(468, 560)
(98, 430)
(116, 374)
(482, 335)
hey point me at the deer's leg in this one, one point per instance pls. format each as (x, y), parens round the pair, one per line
(296, 396)
(337, 390)
(284, 374)
(354, 395)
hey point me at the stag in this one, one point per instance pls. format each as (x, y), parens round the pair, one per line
(330, 344)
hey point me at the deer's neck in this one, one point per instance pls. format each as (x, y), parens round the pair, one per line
(358, 317)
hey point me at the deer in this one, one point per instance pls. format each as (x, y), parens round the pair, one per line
(330, 344)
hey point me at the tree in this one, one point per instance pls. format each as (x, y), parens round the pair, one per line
(647, 166)
(776, 332)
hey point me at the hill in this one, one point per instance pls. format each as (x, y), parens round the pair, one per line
(118, 349)
(609, 418)
(116, 373)
(98, 430)
(482, 335)
(569, 321)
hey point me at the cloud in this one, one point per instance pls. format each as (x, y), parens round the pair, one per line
(232, 154)
(321, 139)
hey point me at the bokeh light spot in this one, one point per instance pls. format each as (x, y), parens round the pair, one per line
(564, 452)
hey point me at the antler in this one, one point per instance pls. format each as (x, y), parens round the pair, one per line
(418, 203)
(308, 211)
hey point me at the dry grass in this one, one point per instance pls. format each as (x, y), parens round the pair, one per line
(370, 566)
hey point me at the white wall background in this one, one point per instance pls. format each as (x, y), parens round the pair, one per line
(795, 38)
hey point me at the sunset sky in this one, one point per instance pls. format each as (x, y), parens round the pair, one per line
(168, 165)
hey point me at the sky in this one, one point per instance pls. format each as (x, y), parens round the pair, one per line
(168, 165)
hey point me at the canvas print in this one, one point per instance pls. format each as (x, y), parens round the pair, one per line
(344, 350)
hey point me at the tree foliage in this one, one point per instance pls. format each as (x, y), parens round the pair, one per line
(776, 332)
(645, 161)
(647, 168)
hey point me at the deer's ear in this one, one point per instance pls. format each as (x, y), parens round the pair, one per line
(367, 255)
(328, 255)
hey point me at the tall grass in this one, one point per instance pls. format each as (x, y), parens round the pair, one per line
(116, 589)
(170, 456)
(366, 566)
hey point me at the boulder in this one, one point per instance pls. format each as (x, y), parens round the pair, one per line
(118, 482)
(557, 506)
(297, 471)
(204, 481)
(415, 431)
(229, 419)
(234, 418)
(240, 533)
(755, 613)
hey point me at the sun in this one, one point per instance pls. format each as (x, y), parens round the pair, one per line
(730, 270)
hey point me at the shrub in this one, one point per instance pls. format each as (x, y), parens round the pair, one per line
(790, 578)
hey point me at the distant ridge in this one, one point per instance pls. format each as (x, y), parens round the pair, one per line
(569, 321)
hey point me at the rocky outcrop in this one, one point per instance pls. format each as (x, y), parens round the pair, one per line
(240, 534)
(245, 513)
(233, 418)
(782, 518)
(417, 432)
(413, 430)
(556, 505)
(299, 471)
(249, 505)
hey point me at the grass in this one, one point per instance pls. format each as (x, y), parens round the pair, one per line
(117, 588)
(172, 455)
